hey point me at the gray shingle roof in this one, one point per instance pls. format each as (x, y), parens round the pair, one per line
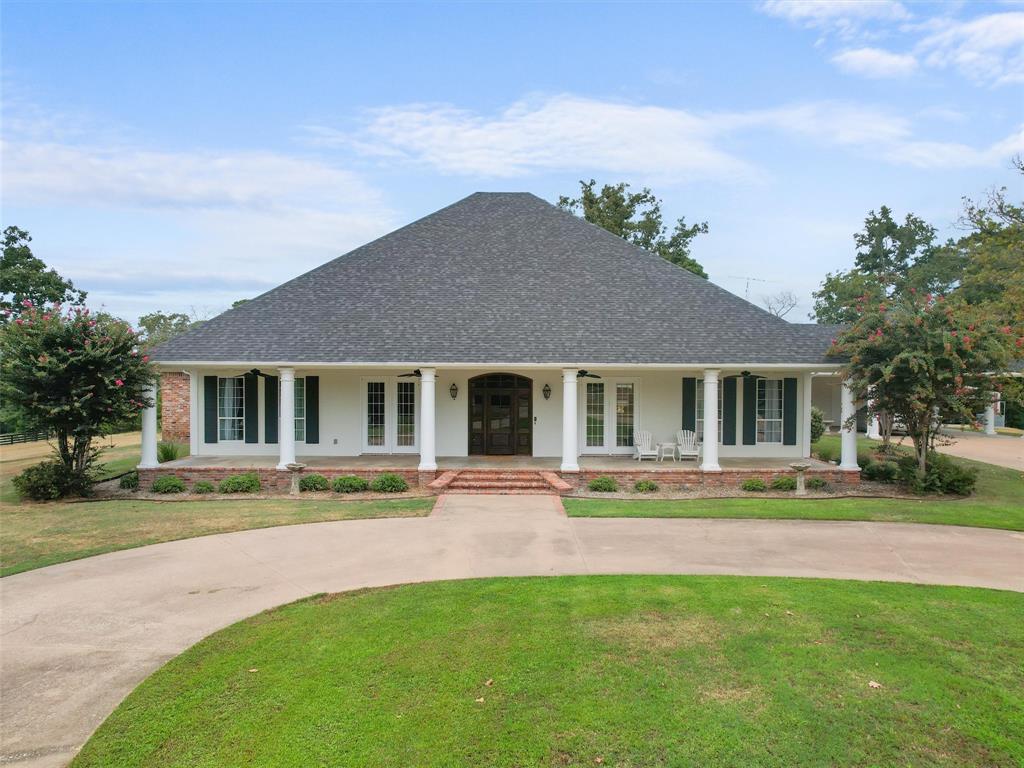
(498, 278)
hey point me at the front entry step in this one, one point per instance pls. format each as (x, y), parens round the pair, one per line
(500, 481)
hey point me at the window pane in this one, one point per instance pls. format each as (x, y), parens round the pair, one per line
(595, 414)
(300, 410)
(231, 408)
(624, 415)
(406, 413)
(375, 413)
(769, 410)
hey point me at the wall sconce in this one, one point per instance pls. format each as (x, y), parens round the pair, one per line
(453, 390)
(547, 391)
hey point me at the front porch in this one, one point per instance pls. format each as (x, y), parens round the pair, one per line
(499, 474)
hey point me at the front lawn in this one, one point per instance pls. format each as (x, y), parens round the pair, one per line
(998, 502)
(34, 535)
(585, 671)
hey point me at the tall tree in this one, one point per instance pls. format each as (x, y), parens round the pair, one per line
(780, 304)
(891, 257)
(158, 327)
(636, 217)
(24, 277)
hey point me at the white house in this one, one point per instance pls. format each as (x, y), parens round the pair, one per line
(500, 326)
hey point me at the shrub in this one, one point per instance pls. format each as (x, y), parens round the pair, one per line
(389, 482)
(51, 479)
(313, 482)
(784, 483)
(603, 484)
(350, 484)
(203, 486)
(881, 471)
(645, 486)
(129, 482)
(753, 484)
(817, 424)
(827, 452)
(169, 452)
(817, 483)
(244, 483)
(942, 476)
(169, 484)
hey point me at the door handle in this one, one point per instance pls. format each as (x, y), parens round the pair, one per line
(534, 419)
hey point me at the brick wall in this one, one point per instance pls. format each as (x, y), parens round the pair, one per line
(695, 477)
(174, 408)
(272, 479)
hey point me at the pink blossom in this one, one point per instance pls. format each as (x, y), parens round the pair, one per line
(26, 303)
(19, 321)
(145, 358)
(118, 382)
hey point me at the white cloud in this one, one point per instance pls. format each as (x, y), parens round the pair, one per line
(567, 132)
(844, 17)
(988, 49)
(875, 62)
(562, 132)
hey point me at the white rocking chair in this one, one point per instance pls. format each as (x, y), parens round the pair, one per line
(644, 445)
(687, 445)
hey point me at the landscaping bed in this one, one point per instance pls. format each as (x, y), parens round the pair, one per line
(585, 671)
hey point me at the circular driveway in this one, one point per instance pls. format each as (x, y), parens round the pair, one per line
(78, 637)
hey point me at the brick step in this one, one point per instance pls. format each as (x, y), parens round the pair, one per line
(501, 491)
(510, 474)
(474, 483)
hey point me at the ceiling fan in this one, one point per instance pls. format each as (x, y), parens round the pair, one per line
(415, 373)
(586, 375)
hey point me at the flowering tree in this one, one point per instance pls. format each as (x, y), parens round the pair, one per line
(74, 375)
(920, 354)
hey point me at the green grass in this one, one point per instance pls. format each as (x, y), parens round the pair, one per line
(998, 502)
(619, 671)
(36, 535)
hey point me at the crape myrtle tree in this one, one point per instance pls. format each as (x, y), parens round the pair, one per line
(75, 375)
(920, 354)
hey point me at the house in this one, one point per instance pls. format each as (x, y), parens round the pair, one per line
(499, 329)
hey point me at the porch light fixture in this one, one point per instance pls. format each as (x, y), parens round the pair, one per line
(453, 390)
(547, 391)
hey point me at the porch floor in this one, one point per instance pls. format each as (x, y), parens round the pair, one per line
(411, 461)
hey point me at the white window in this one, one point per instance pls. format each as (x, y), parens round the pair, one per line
(375, 434)
(700, 410)
(300, 410)
(406, 413)
(624, 415)
(390, 415)
(231, 408)
(769, 410)
(595, 414)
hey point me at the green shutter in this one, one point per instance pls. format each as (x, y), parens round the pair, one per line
(210, 409)
(270, 409)
(789, 411)
(749, 410)
(252, 408)
(690, 404)
(729, 411)
(312, 409)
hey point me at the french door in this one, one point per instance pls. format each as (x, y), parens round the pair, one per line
(609, 412)
(390, 415)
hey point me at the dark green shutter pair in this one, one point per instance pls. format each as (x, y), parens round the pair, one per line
(750, 411)
(728, 408)
(270, 408)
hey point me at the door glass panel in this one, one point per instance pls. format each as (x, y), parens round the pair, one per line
(375, 413)
(406, 413)
(624, 408)
(595, 414)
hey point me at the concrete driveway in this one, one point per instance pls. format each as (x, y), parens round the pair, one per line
(78, 637)
(1001, 450)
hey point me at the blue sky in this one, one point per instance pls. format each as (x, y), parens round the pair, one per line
(180, 156)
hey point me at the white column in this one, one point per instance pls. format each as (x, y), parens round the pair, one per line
(193, 412)
(848, 433)
(807, 383)
(874, 428)
(428, 457)
(148, 458)
(990, 419)
(710, 444)
(286, 418)
(570, 454)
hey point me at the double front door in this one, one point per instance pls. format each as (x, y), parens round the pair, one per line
(609, 414)
(500, 415)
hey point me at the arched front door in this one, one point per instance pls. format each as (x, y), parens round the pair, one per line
(500, 415)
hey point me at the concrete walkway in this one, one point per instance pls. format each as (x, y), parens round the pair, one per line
(1001, 450)
(78, 637)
